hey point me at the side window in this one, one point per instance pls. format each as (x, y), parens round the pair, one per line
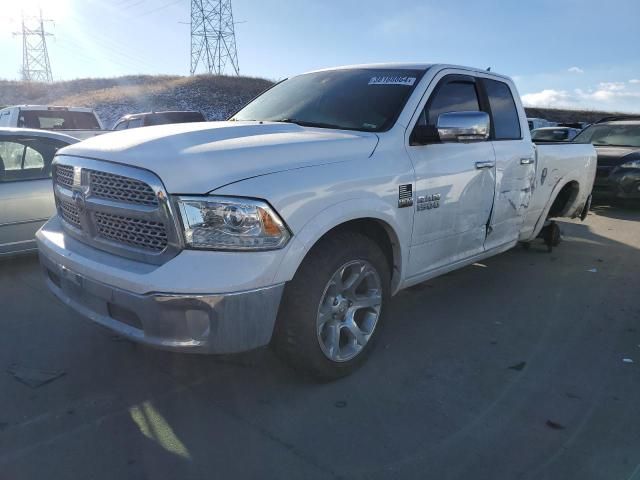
(136, 122)
(22, 162)
(121, 125)
(32, 160)
(454, 96)
(506, 123)
(11, 154)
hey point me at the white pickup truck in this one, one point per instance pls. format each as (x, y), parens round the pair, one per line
(294, 222)
(78, 122)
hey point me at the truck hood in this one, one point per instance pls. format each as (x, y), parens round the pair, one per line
(195, 158)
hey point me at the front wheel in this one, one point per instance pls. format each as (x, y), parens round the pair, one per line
(333, 307)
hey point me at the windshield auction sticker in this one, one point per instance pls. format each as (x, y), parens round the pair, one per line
(393, 80)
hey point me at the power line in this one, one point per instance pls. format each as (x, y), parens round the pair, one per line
(157, 9)
(213, 37)
(36, 66)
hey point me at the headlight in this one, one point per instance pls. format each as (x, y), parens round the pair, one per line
(227, 223)
(631, 164)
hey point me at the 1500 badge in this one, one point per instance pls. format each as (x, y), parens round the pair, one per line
(427, 202)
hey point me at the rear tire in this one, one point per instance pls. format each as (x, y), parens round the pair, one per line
(333, 307)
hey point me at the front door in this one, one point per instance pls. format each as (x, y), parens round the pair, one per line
(454, 184)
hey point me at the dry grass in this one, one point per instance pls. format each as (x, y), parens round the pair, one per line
(216, 96)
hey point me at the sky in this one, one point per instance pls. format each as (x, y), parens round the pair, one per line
(561, 53)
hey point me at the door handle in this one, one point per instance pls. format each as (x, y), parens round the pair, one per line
(526, 161)
(481, 165)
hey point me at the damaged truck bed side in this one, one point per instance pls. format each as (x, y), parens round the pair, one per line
(293, 223)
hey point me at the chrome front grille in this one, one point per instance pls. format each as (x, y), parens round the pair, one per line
(116, 208)
(135, 232)
(64, 175)
(70, 213)
(119, 188)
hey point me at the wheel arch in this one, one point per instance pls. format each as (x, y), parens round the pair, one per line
(560, 205)
(564, 199)
(379, 225)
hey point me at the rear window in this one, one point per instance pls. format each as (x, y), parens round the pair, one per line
(506, 123)
(58, 120)
(174, 117)
(554, 135)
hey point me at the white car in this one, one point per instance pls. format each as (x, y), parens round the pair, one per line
(26, 195)
(294, 222)
(79, 122)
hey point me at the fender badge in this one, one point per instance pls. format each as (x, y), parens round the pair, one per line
(405, 195)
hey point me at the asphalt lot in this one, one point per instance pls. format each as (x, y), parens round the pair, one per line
(510, 369)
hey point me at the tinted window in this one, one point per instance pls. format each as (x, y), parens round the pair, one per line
(352, 99)
(136, 122)
(174, 117)
(553, 134)
(453, 97)
(121, 126)
(620, 135)
(506, 123)
(58, 120)
(27, 158)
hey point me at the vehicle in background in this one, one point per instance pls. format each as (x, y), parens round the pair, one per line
(157, 118)
(617, 142)
(535, 123)
(554, 134)
(77, 122)
(26, 197)
(295, 221)
(576, 125)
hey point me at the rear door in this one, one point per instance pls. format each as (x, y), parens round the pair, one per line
(515, 165)
(26, 193)
(454, 182)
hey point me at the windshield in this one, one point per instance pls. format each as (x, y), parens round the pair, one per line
(58, 120)
(619, 135)
(553, 135)
(354, 99)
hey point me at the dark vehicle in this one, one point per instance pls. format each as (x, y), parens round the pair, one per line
(554, 134)
(157, 118)
(617, 141)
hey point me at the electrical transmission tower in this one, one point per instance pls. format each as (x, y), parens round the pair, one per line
(35, 56)
(213, 37)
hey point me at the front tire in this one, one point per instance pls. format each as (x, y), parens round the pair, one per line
(333, 307)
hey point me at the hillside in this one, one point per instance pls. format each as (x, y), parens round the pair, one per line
(216, 96)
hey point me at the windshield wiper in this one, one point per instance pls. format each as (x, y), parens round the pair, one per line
(305, 123)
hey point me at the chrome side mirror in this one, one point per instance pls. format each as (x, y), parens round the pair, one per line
(463, 126)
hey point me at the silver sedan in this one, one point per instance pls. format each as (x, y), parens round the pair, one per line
(26, 195)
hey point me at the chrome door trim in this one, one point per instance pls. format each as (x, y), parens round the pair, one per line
(488, 164)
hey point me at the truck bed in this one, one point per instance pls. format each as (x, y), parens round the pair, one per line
(559, 165)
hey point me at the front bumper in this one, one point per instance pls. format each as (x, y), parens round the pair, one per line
(179, 318)
(623, 183)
